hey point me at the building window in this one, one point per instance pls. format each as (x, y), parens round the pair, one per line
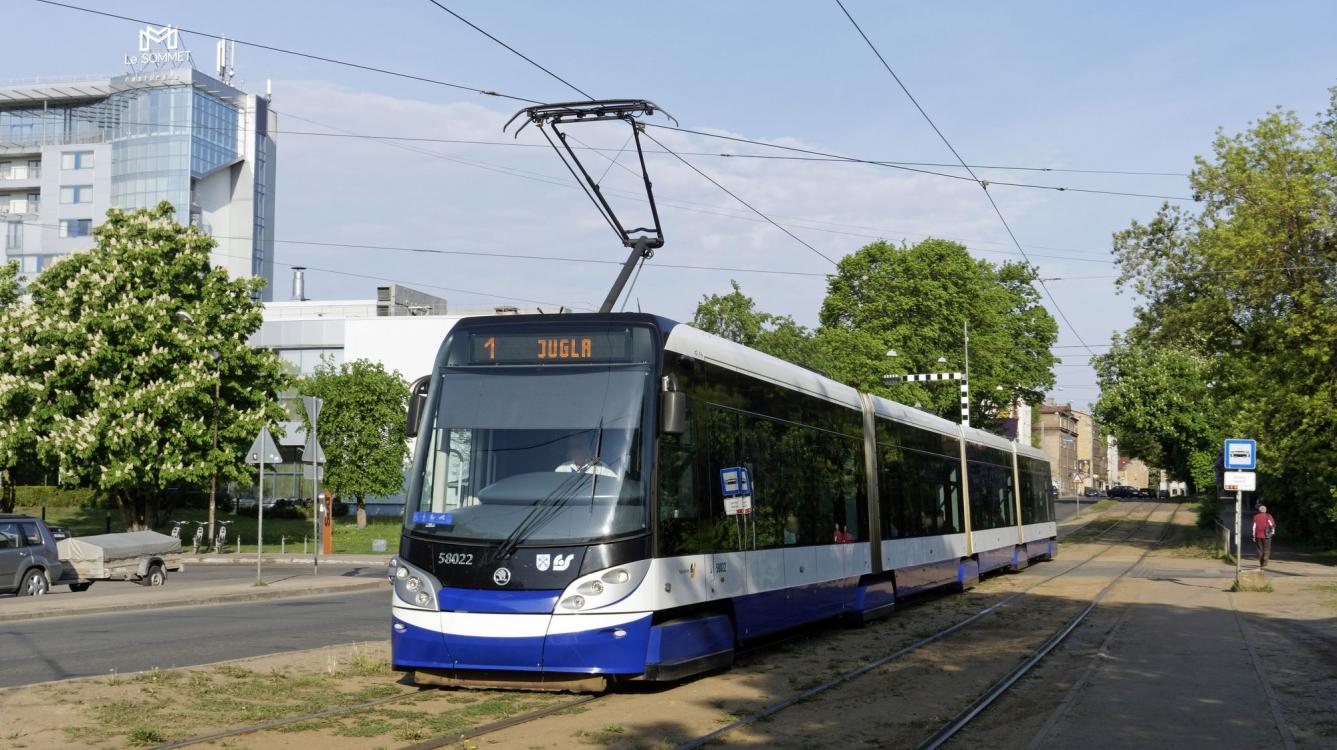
(13, 235)
(76, 194)
(76, 227)
(76, 160)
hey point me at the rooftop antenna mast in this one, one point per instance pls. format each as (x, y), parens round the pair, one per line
(643, 241)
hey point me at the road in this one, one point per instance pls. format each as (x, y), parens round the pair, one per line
(1066, 507)
(204, 574)
(62, 647)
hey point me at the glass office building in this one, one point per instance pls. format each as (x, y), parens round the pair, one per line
(71, 149)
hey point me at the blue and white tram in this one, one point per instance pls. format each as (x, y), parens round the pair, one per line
(618, 496)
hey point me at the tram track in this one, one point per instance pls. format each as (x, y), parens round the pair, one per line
(845, 677)
(584, 701)
(1000, 688)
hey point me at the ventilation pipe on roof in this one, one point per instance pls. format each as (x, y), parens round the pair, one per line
(298, 284)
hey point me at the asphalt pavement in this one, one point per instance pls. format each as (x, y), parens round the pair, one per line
(200, 575)
(58, 648)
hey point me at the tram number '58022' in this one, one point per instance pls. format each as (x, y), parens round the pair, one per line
(455, 558)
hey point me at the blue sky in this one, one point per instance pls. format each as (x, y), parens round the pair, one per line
(1135, 86)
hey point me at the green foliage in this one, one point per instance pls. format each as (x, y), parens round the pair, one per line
(55, 497)
(102, 376)
(734, 316)
(1161, 399)
(362, 427)
(1249, 287)
(916, 299)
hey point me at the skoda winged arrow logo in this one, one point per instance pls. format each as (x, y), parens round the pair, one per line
(501, 576)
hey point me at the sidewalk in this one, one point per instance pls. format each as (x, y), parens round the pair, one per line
(1183, 666)
(140, 597)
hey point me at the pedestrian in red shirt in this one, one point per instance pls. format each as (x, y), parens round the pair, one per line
(1264, 526)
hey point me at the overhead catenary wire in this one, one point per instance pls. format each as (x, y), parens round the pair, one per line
(502, 95)
(515, 51)
(873, 233)
(693, 167)
(296, 53)
(983, 185)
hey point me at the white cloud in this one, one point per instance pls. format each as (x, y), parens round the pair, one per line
(521, 200)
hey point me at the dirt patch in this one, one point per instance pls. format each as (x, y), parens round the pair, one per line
(150, 708)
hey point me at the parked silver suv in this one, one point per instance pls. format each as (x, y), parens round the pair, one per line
(28, 559)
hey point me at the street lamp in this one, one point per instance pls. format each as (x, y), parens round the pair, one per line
(218, 387)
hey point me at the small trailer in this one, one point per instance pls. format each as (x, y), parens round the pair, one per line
(141, 556)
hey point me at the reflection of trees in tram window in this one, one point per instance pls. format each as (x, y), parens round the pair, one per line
(804, 455)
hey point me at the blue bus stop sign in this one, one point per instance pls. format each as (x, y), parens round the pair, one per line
(1240, 454)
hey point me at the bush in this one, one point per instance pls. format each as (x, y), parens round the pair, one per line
(1209, 509)
(275, 512)
(55, 497)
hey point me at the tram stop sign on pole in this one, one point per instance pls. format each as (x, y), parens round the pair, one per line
(1241, 454)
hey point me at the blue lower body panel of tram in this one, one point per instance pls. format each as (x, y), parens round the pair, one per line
(603, 649)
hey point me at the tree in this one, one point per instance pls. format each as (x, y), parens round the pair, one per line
(361, 429)
(916, 299)
(734, 316)
(115, 386)
(1249, 284)
(9, 449)
(1160, 402)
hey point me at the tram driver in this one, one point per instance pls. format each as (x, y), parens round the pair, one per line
(580, 457)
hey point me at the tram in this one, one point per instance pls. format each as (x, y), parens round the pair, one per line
(605, 497)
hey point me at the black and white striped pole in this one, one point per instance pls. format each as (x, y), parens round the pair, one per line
(933, 377)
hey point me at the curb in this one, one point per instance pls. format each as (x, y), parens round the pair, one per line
(289, 560)
(250, 596)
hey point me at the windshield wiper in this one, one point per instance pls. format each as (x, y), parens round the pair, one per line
(546, 508)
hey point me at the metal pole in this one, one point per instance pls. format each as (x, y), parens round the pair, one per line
(965, 381)
(639, 249)
(1239, 541)
(315, 501)
(260, 517)
(213, 482)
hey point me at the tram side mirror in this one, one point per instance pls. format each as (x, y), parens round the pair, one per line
(417, 402)
(672, 408)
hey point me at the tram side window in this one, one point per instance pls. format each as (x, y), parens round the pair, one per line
(679, 512)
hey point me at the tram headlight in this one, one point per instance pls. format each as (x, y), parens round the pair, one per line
(616, 576)
(415, 587)
(574, 602)
(591, 588)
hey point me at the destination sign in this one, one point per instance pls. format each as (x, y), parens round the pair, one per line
(549, 347)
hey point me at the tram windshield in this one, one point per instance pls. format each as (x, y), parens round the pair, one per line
(542, 455)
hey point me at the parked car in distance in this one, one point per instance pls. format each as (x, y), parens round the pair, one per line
(1163, 494)
(58, 532)
(28, 557)
(1092, 492)
(1122, 490)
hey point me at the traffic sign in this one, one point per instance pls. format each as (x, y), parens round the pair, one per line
(263, 450)
(1240, 453)
(312, 452)
(1240, 481)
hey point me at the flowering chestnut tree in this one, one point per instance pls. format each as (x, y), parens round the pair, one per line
(110, 367)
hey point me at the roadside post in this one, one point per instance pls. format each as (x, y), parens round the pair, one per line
(313, 453)
(1239, 459)
(262, 451)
